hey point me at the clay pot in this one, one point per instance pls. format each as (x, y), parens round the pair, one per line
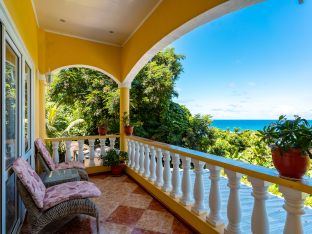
(118, 170)
(290, 164)
(128, 130)
(102, 130)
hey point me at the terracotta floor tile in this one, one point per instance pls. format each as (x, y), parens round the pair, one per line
(156, 221)
(129, 180)
(125, 215)
(155, 205)
(114, 228)
(106, 208)
(142, 231)
(138, 200)
(179, 228)
(139, 190)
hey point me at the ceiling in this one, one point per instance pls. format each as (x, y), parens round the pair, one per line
(107, 21)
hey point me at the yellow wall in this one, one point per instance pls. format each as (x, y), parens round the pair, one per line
(169, 15)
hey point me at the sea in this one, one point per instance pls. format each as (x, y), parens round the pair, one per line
(243, 124)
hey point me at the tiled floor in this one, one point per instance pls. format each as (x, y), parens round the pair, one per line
(125, 208)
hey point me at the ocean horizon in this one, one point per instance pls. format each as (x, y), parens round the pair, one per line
(243, 124)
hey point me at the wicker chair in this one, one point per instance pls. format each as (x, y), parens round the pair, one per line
(53, 207)
(48, 164)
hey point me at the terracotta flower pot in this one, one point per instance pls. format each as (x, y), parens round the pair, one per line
(128, 130)
(291, 164)
(102, 130)
(118, 170)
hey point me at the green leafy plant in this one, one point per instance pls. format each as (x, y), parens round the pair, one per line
(103, 123)
(286, 134)
(114, 158)
(126, 119)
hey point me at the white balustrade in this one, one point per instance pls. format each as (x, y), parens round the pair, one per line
(133, 154)
(102, 144)
(91, 157)
(294, 201)
(68, 156)
(112, 142)
(137, 157)
(259, 218)
(152, 176)
(147, 161)
(199, 205)
(214, 216)
(233, 208)
(55, 146)
(167, 173)
(176, 179)
(80, 150)
(186, 198)
(129, 152)
(141, 170)
(159, 169)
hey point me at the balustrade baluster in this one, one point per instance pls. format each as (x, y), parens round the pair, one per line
(112, 141)
(55, 146)
(141, 171)
(159, 169)
(186, 182)
(294, 201)
(129, 152)
(68, 155)
(137, 157)
(147, 161)
(80, 150)
(152, 177)
(214, 216)
(167, 173)
(102, 144)
(133, 154)
(233, 208)
(259, 218)
(176, 179)
(199, 205)
(91, 146)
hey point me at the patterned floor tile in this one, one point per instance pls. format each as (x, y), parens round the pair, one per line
(138, 200)
(125, 215)
(139, 190)
(156, 221)
(179, 228)
(155, 205)
(142, 231)
(113, 228)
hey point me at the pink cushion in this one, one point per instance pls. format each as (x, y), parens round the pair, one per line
(45, 153)
(68, 165)
(30, 180)
(68, 191)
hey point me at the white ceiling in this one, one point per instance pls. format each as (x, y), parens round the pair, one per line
(94, 19)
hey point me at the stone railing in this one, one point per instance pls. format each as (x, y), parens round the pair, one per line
(82, 148)
(168, 173)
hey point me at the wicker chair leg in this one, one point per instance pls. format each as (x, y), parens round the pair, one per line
(97, 224)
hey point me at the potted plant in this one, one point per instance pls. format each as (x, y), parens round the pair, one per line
(116, 160)
(290, 142)
(103, 127)
(126, 122)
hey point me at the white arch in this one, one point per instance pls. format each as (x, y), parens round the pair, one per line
(90, 67)
(219, 11)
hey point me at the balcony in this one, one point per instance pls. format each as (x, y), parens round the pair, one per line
(205, 191)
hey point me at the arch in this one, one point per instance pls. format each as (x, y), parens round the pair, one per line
(90, 67)
(207, 16)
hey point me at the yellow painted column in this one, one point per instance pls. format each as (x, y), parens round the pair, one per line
(124, 107)
(41, 107)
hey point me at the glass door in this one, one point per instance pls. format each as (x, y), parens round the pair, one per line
(12, 74)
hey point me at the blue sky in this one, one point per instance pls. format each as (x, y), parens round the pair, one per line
(255, 63)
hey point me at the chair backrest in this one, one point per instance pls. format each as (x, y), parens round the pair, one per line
(30, 180)
(42, 149)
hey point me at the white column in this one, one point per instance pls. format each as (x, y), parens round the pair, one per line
(199, 205)
(141, 171)
(259, 218)
(159, 169)
(176, 179)
(167, 173)
(68, 156)
(137, 157)
(294, 207)
(55, 146)
(102, 144)
(133, 154)
(129, 152)
(214, 216)
(91, 145)
(152, 176)
(80, 150)
(147, 161)
(186, 182)
(112, 142)
(233, 208)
